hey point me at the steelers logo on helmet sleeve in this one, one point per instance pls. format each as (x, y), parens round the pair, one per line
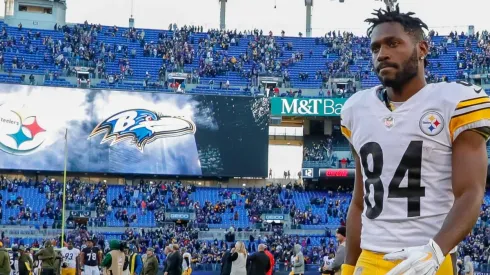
(431, 123)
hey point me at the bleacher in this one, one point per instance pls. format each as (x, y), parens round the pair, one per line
(37, 202)
(141, 64)
(32, 198)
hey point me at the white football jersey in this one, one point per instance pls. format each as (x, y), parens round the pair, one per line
(405, 158)
(70, 256)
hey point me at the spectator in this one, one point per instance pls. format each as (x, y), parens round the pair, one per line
(25, 261)
(468, 266)
(226, 263)
(151, 263)
(271, 260)
(239, 259)
(259, 262)
(174, 262)
(48, 257)
(186, 262)
(299, 261)
(4, 260)
(340, 254)
(114, 260)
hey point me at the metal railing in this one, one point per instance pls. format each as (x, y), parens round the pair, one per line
(221, 235)
(179, 209)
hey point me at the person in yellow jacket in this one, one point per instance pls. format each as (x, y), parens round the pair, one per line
(135, 261)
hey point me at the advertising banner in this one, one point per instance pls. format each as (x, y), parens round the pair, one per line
(337, 173)
(132, 132)
(274, 217)
(179, 216)
(286, 106)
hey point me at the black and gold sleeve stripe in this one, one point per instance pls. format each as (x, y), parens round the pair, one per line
(471, 114)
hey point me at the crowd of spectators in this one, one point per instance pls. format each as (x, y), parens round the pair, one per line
(477, 243)
(147, 198)
(208, 253)
(51, 209)
(476, 59)
(345, 55)
(320, 150)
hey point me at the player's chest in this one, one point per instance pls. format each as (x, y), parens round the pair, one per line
(425, 123)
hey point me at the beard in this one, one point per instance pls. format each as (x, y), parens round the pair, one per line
(408, 72)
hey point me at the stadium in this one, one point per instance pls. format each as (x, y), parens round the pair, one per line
(194, 136)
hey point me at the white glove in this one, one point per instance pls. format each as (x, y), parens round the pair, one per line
(421, 260)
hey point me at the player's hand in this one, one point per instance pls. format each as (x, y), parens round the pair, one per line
(421, 260)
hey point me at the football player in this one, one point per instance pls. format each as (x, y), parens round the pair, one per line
(70, 259)
(420, 154)
(90, 259)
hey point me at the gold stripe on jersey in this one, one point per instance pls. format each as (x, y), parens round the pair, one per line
(473, 102)
(485, 135)
(346, 132)
(472, 116)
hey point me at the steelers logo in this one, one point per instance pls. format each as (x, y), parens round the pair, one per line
(431, 123)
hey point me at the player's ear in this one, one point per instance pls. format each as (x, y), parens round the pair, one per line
(423, 48)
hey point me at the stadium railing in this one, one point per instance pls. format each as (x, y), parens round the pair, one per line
(239, 235)
(179, 209)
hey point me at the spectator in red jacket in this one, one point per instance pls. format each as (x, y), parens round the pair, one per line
(271, 259)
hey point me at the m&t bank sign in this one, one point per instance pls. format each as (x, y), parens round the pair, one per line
(283, 106)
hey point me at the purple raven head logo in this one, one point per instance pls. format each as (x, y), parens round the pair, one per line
(142, 127)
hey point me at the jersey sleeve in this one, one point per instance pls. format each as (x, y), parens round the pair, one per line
(346, 122)
(472, 112)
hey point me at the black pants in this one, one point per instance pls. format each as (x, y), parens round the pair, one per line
(47, 271)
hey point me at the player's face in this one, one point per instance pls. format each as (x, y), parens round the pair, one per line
(338, 237)
(395, 55)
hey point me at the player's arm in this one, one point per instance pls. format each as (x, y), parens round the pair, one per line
(469, 165)
(82, 259)
(99, 257)
(77, 262)
(353, 242)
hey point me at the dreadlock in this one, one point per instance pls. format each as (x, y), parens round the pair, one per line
(412, 25)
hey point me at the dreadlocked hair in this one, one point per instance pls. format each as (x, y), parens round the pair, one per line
(411, 24)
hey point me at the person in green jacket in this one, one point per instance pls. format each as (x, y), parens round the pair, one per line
(48, 257)
(25, 262)
(4, 261)
(151, 264)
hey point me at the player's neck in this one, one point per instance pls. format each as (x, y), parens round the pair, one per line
(405, 92)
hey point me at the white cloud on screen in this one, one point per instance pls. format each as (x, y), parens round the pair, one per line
(54, 108)
(110, 103)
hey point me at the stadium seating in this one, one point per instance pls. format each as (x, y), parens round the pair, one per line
(312, 49)
(35, 200)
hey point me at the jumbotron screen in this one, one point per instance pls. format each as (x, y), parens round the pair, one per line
(132, 132)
